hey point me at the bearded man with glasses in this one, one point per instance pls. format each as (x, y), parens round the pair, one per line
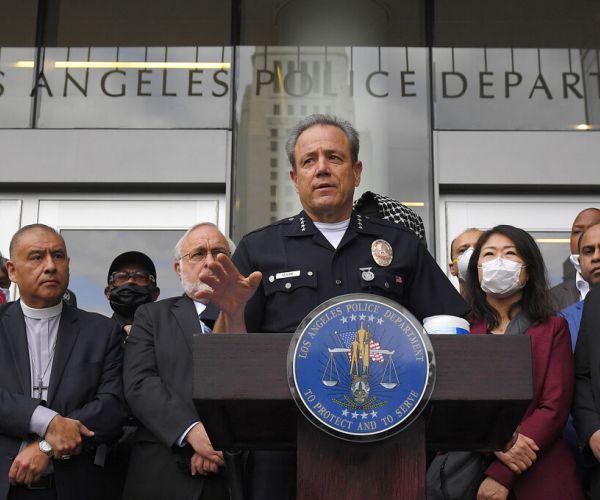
(173, 456)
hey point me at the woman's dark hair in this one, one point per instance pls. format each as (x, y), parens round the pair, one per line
(535, 303)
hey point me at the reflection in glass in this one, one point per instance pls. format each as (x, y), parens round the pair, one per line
(139, 22)
(136, 87)
(334, 22)
(16, 83)
(514, 89)
(92, 251)
(18, 23)
(555, 250)
(382, 91)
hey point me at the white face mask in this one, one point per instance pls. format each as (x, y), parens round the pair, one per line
(462, 263)
(500, 277)
(574, 258)
(6, 293)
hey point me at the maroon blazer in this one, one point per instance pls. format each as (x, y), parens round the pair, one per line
(553, 474)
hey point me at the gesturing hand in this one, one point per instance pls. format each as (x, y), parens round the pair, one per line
(230, 290)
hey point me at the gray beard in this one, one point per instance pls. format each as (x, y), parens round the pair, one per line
(191, 288)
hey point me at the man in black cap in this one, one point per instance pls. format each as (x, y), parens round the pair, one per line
(131, 283)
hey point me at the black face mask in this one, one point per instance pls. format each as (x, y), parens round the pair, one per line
(125, 299)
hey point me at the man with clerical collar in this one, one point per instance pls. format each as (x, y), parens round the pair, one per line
(173, 456)
(60, 379)
(131, 282)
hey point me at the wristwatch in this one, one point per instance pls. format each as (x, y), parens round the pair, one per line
(46, 448)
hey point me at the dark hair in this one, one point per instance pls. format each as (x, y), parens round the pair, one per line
(317, 119)
(582, 233)
(535, 303)
(17, 236)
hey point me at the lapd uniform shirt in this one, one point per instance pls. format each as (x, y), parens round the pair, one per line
(301, 270)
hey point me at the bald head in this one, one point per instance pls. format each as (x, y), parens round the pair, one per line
(586, 218)
(15, 240)
(39, 265)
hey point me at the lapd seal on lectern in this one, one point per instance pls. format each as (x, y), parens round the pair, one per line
(360, 367)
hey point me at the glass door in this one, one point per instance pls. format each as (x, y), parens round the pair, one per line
(10, 219)
(547, 219)
(96, 231)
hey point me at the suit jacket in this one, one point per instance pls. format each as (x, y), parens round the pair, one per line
(573, 316)
(158, 374)
(553, 474)
(586, 400)
(85, 384)
(564, 294)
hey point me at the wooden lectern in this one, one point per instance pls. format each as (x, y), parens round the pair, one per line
(483, 387)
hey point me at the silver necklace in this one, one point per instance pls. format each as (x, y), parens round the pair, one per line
(40, 387)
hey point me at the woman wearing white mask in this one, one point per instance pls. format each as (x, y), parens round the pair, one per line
(508, 296)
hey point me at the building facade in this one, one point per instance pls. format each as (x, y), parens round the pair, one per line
(124, 123)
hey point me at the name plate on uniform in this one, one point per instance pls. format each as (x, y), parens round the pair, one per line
(360, 367)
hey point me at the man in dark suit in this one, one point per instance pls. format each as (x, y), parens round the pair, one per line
(60, 379)
(173, 456)
(573, 290)
(586, 398)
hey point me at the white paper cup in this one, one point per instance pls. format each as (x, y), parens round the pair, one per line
(444, 324)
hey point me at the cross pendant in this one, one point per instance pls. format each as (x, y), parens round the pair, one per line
(40, 388)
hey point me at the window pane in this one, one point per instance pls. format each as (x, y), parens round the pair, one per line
(178, 91)
(516, 89)
(140, 22)
(555, 248)
(16, 77)
(334, 22)
(383, 92)
(92, 251)
(17, 23)
(514, 23)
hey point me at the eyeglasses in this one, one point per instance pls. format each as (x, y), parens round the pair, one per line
(198, 255)
(120, 277)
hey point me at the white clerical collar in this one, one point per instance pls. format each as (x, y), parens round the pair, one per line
(45, 313)
(582, 286)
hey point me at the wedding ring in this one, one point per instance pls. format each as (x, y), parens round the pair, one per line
(65, 457)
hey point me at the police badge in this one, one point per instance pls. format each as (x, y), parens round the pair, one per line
(382, 252)
(360, 367)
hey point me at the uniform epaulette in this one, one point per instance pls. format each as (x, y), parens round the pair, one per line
(287, 220)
